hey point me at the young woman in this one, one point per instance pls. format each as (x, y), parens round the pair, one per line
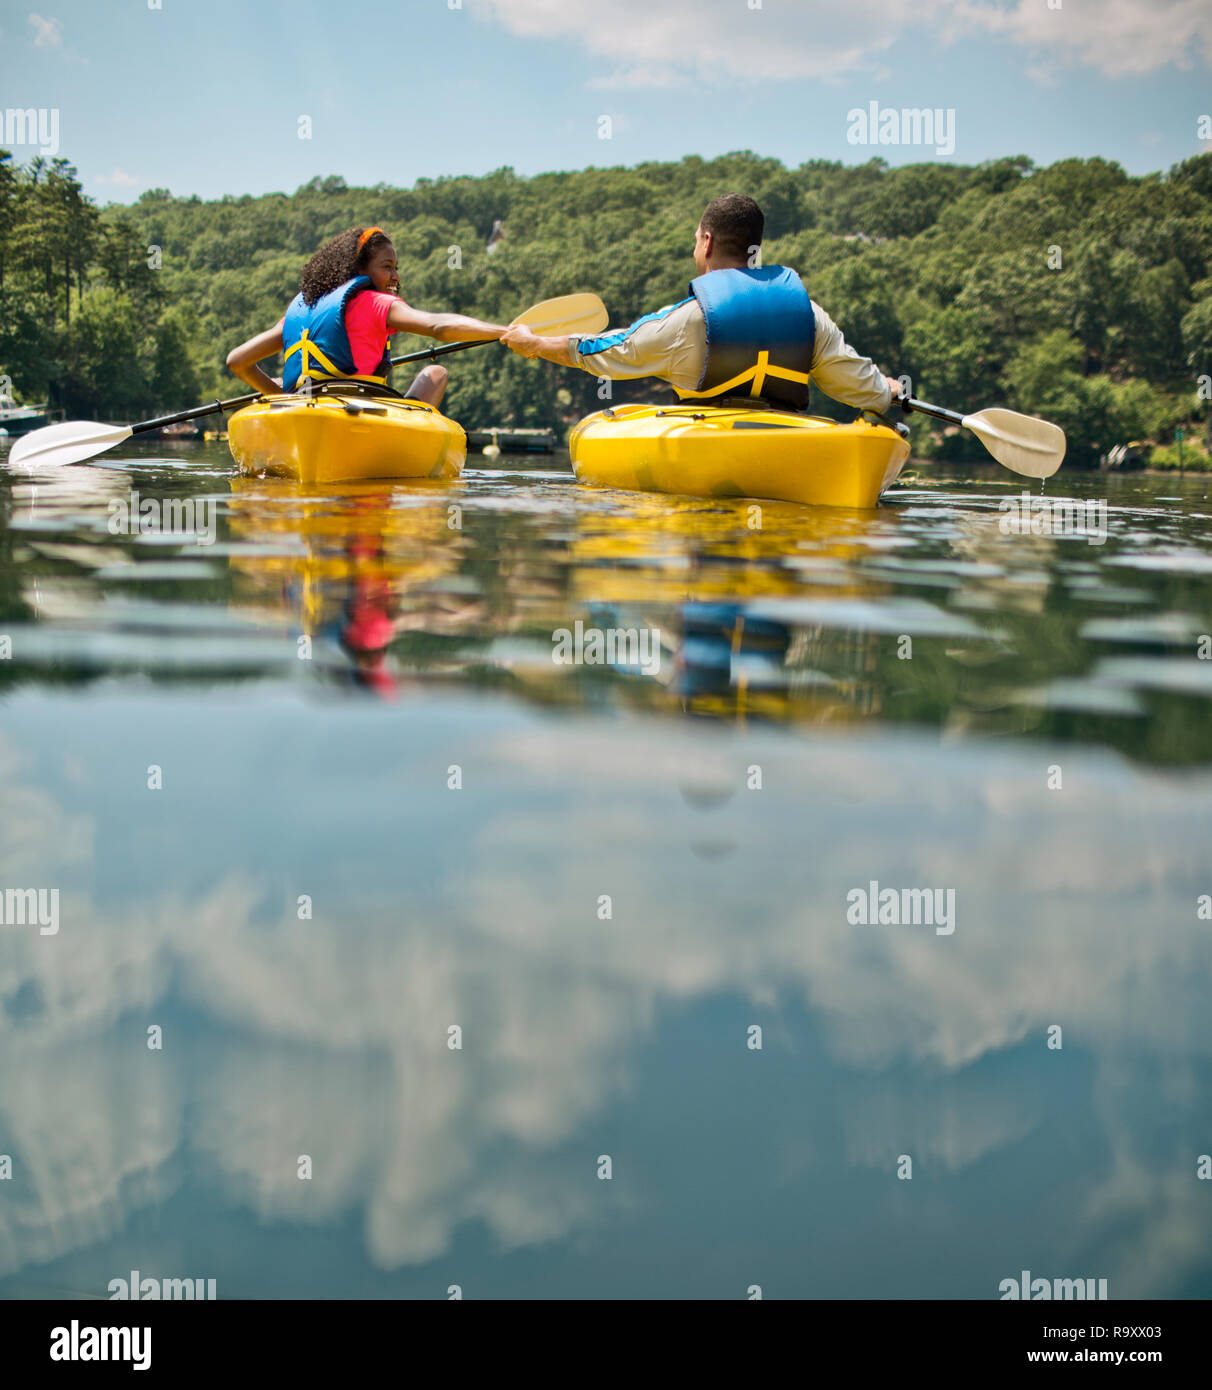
(339, 323)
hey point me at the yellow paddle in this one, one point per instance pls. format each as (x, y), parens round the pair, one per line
(553, 318)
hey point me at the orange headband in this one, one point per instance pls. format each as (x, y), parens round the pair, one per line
(367, 234)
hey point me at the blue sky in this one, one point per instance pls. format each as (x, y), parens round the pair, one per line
(206, 96)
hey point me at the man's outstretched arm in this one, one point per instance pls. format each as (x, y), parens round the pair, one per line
(528, 344)
(669, 344)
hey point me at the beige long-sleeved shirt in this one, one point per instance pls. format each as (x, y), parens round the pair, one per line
(672, 344)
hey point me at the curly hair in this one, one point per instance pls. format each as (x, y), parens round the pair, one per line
(338, 260)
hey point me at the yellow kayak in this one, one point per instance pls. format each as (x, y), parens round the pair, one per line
(346, 435)
(722, 451)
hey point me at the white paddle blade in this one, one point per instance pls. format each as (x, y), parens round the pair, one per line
(571, 313)
(1024, 444)
(71, 442)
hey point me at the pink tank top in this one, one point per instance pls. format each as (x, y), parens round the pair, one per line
(366, 328)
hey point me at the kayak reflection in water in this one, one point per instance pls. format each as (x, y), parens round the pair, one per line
(367, 626)
(715, 656)
(744, 331)
(339, 323)
(723, 651)
(372, 612)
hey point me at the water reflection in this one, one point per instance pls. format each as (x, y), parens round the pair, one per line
(307, 685)
(922, 613)
(329, 1036)
(350, 562)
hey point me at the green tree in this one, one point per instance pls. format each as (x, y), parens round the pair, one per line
(11, 193)
(940, 270)
(1156, 304)
(104, 374)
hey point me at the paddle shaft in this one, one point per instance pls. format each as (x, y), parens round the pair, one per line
(952, 417)
(195, 414)
(216, 407)
(428, 354)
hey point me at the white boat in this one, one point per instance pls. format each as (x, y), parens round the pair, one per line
(20, 419)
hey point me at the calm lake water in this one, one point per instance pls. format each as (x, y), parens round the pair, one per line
(385, 813)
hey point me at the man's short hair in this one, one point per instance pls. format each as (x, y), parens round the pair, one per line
(736, 223)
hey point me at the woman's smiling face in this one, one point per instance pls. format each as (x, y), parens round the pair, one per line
(382, 269)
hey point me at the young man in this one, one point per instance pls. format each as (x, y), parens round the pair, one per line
(741, 332)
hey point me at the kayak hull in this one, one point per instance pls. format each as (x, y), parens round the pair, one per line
(334, 438)
(721, 451)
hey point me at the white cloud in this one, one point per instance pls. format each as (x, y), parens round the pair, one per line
(646, 44)
(120, 179)
(1119, 37)
(48, 33)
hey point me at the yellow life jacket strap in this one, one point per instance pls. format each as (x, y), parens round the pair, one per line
(756, 374)
(308, 349)
(308, 368)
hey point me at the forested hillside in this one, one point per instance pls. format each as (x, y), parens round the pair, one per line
(1074, 291)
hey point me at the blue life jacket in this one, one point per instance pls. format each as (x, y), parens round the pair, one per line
(315, 342)
(761, 333)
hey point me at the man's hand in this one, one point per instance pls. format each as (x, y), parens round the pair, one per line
(527, 343)
(523, 341)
